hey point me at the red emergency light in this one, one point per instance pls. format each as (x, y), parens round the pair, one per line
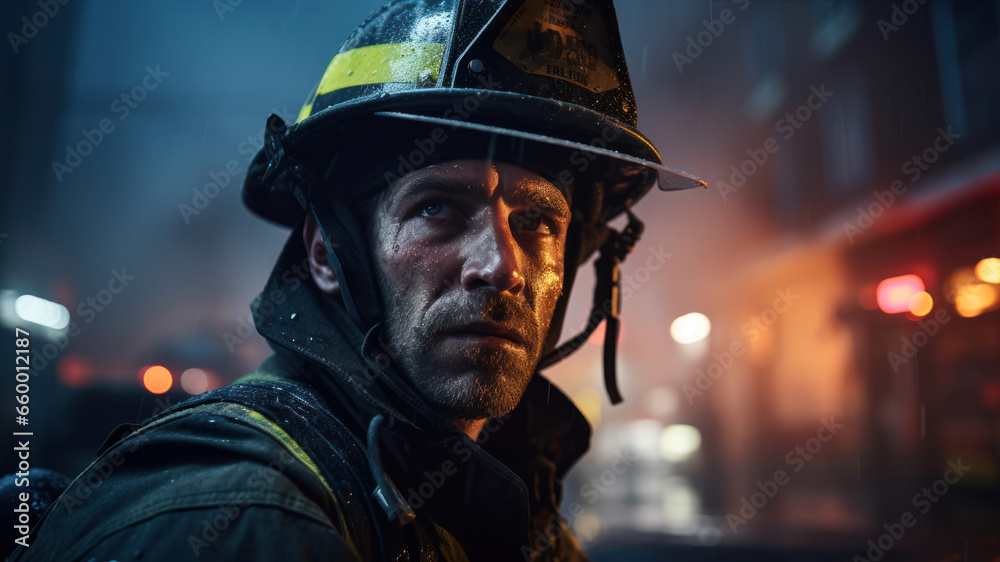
(893, 294)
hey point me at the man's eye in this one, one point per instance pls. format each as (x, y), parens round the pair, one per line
(432, 208)
(525, 223)
(438, 210)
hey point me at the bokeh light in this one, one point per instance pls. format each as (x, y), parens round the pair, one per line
(157, 379)
(972, 299)
(690, 328)
(679, 441)
(194, 381)
(43, 312)
(988, 270)
(641, 438)
(894, 294)
(921, 304)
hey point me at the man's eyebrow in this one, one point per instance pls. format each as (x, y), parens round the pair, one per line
(449, 185)
(549, 200)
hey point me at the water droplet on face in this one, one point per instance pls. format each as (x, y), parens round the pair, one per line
(292, 317)
(350, 73)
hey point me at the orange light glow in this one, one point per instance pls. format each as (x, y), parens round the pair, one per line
(157, 379)
(921, 304)
(894, 294)
(988, 270)
(974, 298)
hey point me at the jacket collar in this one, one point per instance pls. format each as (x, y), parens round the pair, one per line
(538, 442)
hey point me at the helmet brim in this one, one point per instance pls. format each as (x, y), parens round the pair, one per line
(668, 179)
(376, 133)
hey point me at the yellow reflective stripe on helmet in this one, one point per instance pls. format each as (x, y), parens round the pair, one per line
(408, 63)
(304, 112)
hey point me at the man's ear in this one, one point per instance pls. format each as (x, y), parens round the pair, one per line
(319, 266)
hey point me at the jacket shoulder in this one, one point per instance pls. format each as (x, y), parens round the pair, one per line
(222, 467)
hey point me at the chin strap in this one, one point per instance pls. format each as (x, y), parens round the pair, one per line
(340, 231)
(607, 304)
(386, 493)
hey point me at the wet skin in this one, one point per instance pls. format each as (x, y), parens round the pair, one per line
(469, 257)
(469, 261)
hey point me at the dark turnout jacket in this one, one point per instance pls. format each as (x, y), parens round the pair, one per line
(289, 463)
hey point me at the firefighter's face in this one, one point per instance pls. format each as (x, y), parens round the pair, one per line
(469, 256)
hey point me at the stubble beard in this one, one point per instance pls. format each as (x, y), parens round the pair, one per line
(485, 382)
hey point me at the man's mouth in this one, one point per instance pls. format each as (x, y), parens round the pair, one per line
(487, 333)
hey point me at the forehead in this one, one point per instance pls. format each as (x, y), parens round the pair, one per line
(482, 178)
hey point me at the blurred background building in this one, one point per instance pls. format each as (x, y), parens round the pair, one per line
(811, 346)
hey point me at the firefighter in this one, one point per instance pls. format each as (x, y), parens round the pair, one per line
(455, 165)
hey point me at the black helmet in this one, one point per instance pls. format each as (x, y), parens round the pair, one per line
(539, 83)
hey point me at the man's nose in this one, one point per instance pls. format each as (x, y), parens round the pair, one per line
(493, 257)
